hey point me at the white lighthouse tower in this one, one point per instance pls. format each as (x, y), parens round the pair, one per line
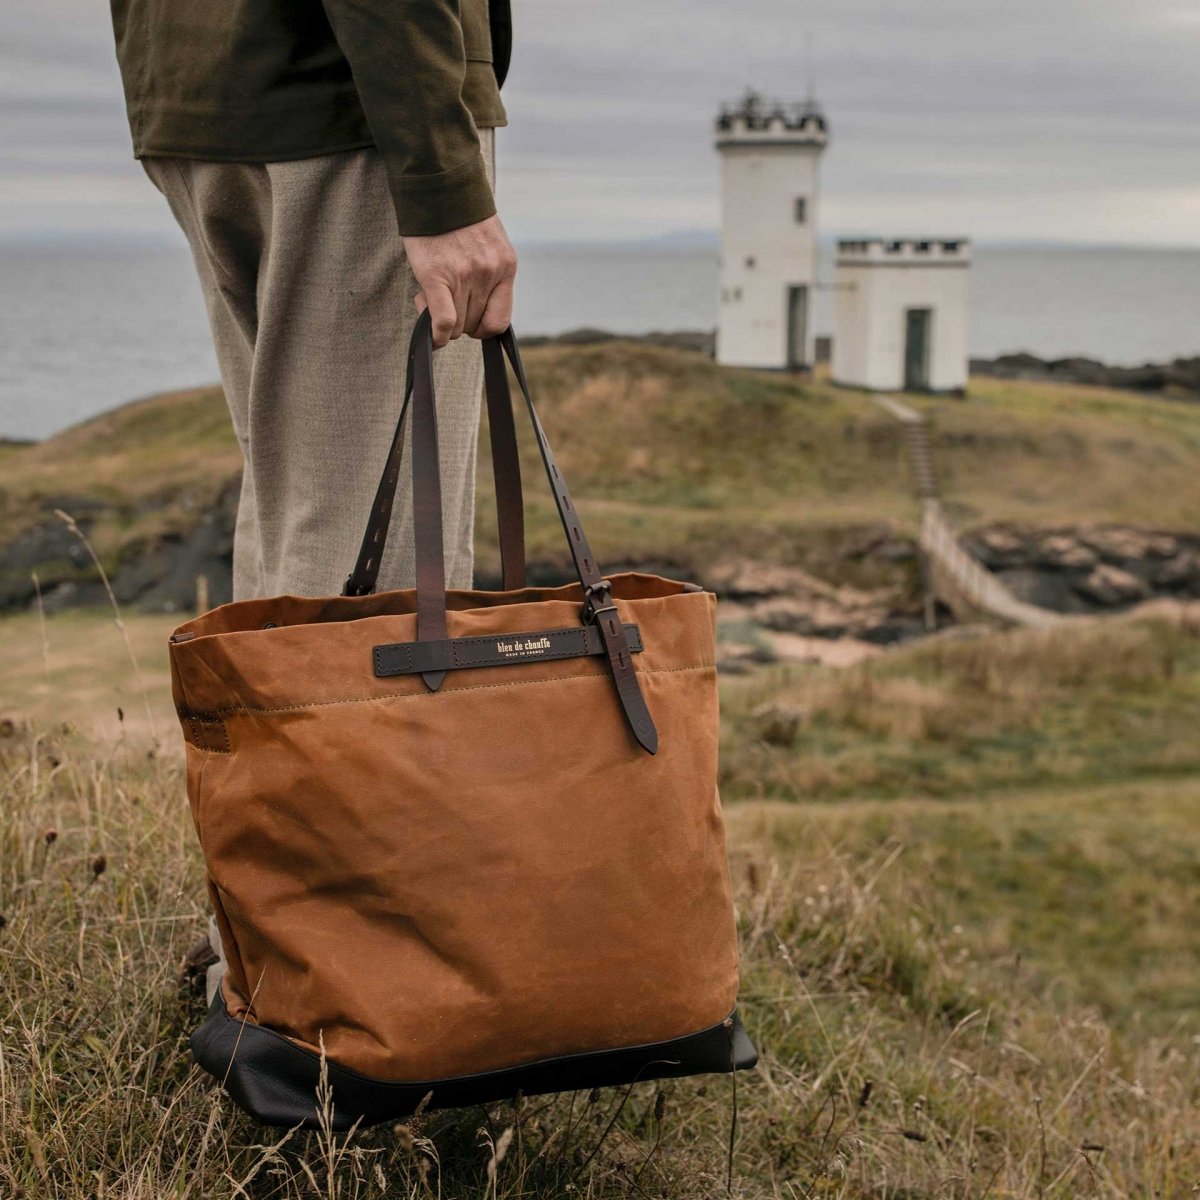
(769, 157)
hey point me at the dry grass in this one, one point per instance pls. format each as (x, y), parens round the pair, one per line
(83, 678)
(953, 998)
(907, 1051)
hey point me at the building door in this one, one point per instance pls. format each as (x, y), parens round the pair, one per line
(918, 323)
(797, 327)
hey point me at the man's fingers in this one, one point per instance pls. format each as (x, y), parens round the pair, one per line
(497, 316)
(466, 277)
(477, 300)
(442, 312)
(461, 298)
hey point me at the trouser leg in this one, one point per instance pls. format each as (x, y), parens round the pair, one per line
(310, 298)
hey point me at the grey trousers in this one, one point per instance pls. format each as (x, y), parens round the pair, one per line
(310, 299)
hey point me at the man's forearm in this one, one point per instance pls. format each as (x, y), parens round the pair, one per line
(408, 60)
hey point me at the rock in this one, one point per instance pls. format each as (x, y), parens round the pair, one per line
(1179, 378)
(1180, 572)
(753, 581)
(1124, 545)
(1063, 550)
(50, 549)
(894, 629)
(873, 539)
(896, 550)
(1046, 588)
(828, 652)
(1111, 586)
(162, 575)
(1001, 543)
(747, 580)
(737, 658)
(697, 340)
(83, 593)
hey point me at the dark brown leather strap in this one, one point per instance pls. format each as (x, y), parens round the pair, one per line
(427, 497)
(500, 650)
(362, 579)
(598, 607)
(506, 467)
(506, 471)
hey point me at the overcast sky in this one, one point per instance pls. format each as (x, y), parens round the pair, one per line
(1023, 119)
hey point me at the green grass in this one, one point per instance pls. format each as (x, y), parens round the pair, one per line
(987, 988)
(1088, 703)
(679, 461)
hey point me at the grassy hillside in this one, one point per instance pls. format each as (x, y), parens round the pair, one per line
(681, 462)
(972, 981)
(967, 871)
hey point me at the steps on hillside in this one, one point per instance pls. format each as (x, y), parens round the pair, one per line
(954, 575)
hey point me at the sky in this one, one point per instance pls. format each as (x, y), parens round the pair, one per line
(1068, 120)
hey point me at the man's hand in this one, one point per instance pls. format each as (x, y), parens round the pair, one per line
(466, 279)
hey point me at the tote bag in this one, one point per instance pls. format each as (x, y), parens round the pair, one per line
(460, 844)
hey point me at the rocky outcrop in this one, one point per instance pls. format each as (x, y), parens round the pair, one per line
(787, 600)
(700, 341)
(772, 613)
(1089, 569)
(1179, 378)
(157, 573)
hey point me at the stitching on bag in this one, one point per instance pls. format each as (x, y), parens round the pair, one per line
(475, 687)
(198, 732)
(377, 655)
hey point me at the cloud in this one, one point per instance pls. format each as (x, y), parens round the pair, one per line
(1027, 118)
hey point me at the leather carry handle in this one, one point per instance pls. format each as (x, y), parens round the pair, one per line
(598, 608)
(506, 473)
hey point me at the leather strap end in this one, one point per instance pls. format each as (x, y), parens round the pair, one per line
(434, 679)
(647, 737)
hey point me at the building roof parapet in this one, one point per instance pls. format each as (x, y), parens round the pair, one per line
(915, 250)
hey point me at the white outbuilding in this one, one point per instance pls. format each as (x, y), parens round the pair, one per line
(901, 318)
(769, 157)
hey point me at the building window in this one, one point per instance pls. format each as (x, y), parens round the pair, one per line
(801, 210)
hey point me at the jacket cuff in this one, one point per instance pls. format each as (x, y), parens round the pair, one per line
(427, 205)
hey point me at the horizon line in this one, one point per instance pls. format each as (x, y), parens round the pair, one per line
(50, 239)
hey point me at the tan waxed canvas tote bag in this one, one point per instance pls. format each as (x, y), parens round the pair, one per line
(464, 843)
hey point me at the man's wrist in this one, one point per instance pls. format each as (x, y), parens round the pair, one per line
(428, 205)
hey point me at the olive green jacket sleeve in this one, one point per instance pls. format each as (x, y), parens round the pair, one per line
(409, 62)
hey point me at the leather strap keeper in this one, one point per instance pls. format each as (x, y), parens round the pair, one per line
(415, 658)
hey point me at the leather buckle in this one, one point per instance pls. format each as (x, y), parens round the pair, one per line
(598, 599)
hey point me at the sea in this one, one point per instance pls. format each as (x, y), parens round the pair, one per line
(85, 327)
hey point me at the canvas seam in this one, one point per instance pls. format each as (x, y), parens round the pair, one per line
(475, 687)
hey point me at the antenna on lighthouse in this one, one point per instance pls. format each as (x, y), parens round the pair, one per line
(810, 67)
